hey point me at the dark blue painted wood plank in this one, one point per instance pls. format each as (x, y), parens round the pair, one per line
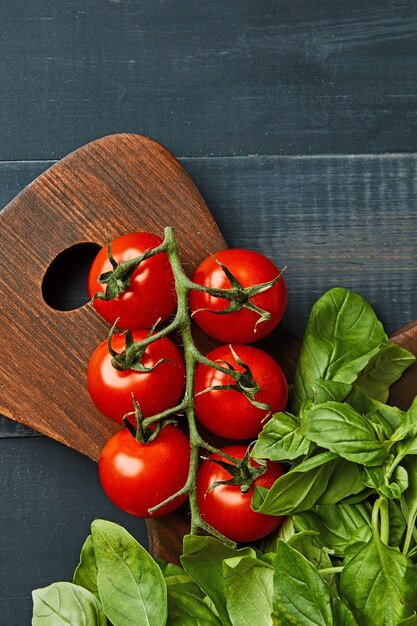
(49, 497)
(333, 220)
(209, 78)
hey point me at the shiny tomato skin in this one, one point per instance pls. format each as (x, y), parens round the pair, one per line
(151, 294)
(155, 391)
(138, 476)
(226, 509)
(250, 268)
(228, 413)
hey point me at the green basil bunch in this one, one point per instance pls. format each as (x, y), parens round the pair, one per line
(347, 552)
(351, 490)
(118, 583)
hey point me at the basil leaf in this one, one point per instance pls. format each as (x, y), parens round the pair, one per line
(354, 547)
(281, 439)
(85, 574)
(405, 436)
(400, 476)
(295, 491)
(376, 478)
(248, 584)
(202, 560)
(388, 417)
(285, 531)
(326, 390)
(65, 603)
(186, 602)
(305, 543)
(383, 370)
(359, 401)
(343, 334)
(409, 621)
(301, 596)
(411, 414)
(380, 581)
(170, 569)
(344, 431)
(335, 525)
(131, 586)
(268, 558)
(315, 461)
(396, 524)
(344, 482)
(356, 498)
(404, 440)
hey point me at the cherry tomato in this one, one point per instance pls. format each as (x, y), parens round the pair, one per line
(225, 508)
(137, 476)
(229, 413)
(157, 390)
(250, 268)
(151, 294)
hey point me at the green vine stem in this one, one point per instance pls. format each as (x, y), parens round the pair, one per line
(411, 520)
(380, 519)
(192, 356)
(331, 570)
(393, 465)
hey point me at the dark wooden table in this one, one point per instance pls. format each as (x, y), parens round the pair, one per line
(297, 121)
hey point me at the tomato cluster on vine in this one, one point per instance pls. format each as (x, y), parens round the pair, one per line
(138, 377)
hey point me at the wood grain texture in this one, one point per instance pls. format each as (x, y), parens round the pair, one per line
(118, 184)
(334, 220)
(210, 78)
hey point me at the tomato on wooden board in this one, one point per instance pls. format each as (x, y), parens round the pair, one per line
(156, 390)
(137, 476)
(228, 412)
(225, 508)
(151, 293)
(250, 268)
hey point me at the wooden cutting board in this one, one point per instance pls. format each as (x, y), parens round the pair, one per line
(115, 185)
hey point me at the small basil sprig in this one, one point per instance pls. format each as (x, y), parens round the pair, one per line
(116, 578)
(344, 341)
(64, 603)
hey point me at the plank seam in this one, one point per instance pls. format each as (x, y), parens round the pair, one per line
(291, 157)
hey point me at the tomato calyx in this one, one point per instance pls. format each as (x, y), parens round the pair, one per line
(131, 357)
(244, 382)
(243, 473)
(239, 297)
(118, 279)
(144, 431)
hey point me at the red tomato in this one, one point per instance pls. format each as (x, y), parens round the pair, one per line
(137, 476)
(151, 294)
(250, 268)
(156, 391)
(228, 413)
(228, 510)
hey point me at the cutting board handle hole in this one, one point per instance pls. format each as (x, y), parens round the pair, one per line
(64, 285)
